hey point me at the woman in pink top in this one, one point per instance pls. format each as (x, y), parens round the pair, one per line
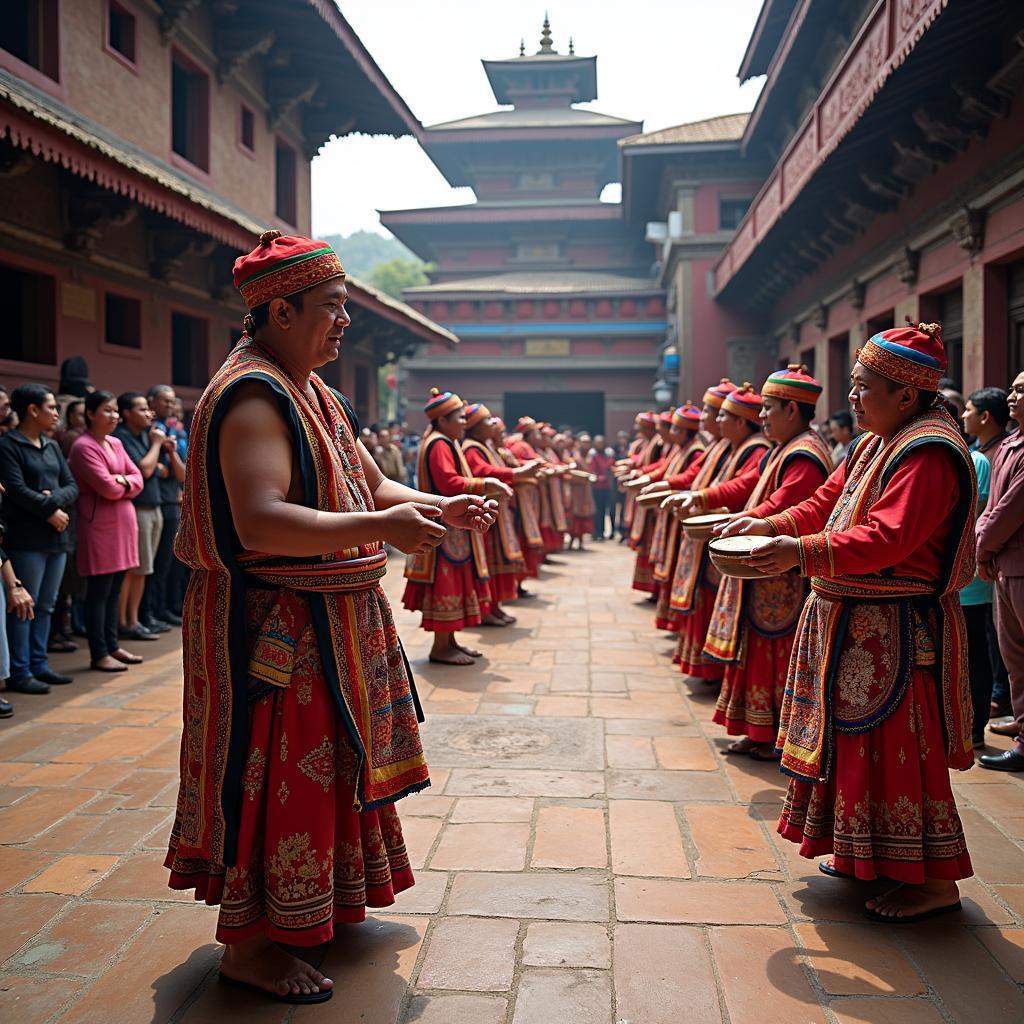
(108, 535)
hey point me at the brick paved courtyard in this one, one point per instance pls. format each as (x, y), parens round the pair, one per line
(586, 856)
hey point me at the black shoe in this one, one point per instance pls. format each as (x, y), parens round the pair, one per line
(27, 685)
(172, 617)
(6, 708)
(1007, 761)
(137, 632)
(156, 626)
(52, 678)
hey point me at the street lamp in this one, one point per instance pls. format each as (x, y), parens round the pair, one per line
(662, 392)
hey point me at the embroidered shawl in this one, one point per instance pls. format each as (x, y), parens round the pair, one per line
(721, 464)
(666, 529)
(364, 666)
(506, 518)
(458, 545)
(772, 604)
(891, 613)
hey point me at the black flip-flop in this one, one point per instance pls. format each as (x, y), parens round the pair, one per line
(827, 869)
(873, 915)
(299, 999)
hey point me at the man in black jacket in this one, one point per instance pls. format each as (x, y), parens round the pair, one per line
(39, 490)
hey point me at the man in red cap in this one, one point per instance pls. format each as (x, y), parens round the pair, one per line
(877, 705)
(300, 711)
(686, 446)
(504, 551)
(704, 465)
(451, 586)
(754, 621)
(696, 580)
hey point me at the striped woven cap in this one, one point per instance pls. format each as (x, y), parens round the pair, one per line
(716, 394)
(442, 403)
(744, 401)
(794, 384)
(476, 413)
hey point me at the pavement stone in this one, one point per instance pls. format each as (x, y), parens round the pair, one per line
(586, 853)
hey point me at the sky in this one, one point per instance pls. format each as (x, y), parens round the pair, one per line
(663, 62)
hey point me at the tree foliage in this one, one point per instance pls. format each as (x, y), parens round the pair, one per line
(396, 275)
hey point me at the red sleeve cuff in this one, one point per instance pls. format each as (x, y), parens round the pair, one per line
(783, 524)
(816, 555)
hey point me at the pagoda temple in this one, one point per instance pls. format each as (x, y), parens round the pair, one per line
(549, 291)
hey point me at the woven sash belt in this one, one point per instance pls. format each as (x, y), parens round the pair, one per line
(317, 576)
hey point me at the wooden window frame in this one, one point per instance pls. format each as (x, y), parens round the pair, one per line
(179, 56)
(281, 142)
(243, 109)
(33, 75)
(121, 58)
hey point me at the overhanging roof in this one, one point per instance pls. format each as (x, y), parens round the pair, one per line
(33, 120)
(768, 32)
(398, 312)
(378, 109)
(537, 282)
(725, 128)
(532, 117)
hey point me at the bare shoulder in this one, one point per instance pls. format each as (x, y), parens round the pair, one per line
(254, 410)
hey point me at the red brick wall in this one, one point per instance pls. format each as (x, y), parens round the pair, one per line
(135, 104)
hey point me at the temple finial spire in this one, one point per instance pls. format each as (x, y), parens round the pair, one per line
(545, 37)
(572, 48)
(522, 47)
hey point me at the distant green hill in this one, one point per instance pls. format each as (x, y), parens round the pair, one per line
(361, 251)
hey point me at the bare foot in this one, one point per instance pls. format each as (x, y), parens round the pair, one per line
(493, 619)
(908, 900)
(451, 656)
(743, 746)
(471, 651)
(509, 619)
(126, 657)
(108, 664)
(260, 962)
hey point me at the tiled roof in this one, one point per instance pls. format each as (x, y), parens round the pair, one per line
(727, 128)
(544, 117)
(539, 282)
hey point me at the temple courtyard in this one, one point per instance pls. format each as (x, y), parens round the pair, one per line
(587, 855)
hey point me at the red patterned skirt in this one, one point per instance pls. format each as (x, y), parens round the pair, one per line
(751, 696)
(306, 859)
(888, 807)
(553, 539)
(643, 571)
(580, 525)
(693, 630)
(505, 574)
(456, 599)
(532, 556)
(665, 617)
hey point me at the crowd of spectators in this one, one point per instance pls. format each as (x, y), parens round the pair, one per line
(91, 486)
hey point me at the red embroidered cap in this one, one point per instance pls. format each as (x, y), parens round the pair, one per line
(282, 265)
(665, 417)
(910, 355)
(645, 417)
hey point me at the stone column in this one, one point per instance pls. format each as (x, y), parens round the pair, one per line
(985, 328)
